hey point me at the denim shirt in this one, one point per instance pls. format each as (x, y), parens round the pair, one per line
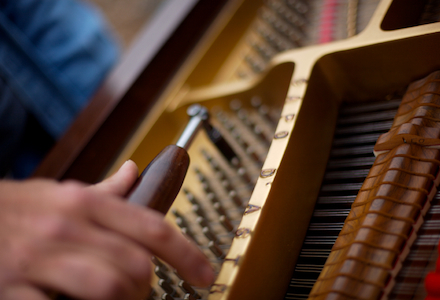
(53, 56)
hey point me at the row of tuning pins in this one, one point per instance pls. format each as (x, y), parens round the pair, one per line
(216, 212)
(288, 24)
(225, 196)
(172, 284)
(210, 223)
(279, 27)
(251, 129)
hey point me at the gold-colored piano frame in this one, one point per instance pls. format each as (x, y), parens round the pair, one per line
(309, 83)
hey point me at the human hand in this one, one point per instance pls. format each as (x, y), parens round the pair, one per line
(85, 241)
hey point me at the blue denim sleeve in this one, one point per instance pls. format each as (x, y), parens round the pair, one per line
(55, 53)
(53, 56)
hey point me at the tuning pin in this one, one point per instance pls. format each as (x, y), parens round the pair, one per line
(188, 233)
(167, 287)
(259, 132)
(216, 250)
(152, 295)
(219, 208)
(256, 101)
(226, 223)
(190, 297)
(209, 234)
(235, 105)
(159, 264)
(212, 198)
(203, 181)
(161, 274)
(244, 174)
(198, 209)
(235, 198)
(243, 116)
(202, 222)
(226, 184)
(166, 297)
(181, 222)
(212, 162)
(187, 289)
(237, 136)
(177, 274)
(180, 219)
(254, 155)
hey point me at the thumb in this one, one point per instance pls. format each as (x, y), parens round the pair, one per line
(119, 183)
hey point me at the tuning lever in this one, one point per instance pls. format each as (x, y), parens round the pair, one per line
(200, 119)
(161, 180)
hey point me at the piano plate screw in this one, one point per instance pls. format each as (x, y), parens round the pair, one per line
(242, 232)
(299, 82)
(218, 288)
(281, 135)
(250, 208)
(292, 98)
(234, 260)
(267, 173)
(289, 118)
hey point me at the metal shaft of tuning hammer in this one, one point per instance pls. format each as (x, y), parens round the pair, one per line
(161, 180)
(200, 118)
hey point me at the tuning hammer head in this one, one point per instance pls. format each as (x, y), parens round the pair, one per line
(200, 118)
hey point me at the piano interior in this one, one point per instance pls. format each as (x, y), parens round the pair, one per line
(301, 90)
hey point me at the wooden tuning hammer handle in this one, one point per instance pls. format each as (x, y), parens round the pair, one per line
(161, 180)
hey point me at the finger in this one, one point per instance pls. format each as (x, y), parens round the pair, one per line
(148, 228)
(123, 253)
(55, 235)
(23, 292)
(121, 182)
(82, 276)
